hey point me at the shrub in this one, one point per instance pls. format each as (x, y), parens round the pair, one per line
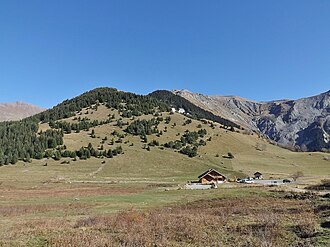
(230, 155)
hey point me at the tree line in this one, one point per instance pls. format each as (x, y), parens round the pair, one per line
(128, 104)
(20, 141)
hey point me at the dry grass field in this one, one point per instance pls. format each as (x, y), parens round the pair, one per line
(112, 215)
(134, 199)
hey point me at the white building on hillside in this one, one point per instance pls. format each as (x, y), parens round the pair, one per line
(181, 111)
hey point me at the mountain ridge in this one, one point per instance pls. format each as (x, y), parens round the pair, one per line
(12, 111)
(287, 122)
(301, 125)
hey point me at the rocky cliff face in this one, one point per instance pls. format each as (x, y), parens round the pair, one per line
(17, 110)
(302, 123)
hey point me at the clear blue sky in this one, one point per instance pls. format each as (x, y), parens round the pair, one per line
(263, 50)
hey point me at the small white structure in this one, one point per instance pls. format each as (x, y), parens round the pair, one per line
(198, 186)
(173, 110)
(181, 111)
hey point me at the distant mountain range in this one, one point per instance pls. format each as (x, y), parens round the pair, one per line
(17, 110)
(302, 124)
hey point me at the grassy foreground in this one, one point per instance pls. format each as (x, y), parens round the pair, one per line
(126, 215)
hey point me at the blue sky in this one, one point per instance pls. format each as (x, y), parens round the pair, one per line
(263, 50)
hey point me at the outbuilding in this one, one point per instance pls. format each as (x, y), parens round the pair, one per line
(258, 175)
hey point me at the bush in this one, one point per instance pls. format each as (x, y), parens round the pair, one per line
(230, 155)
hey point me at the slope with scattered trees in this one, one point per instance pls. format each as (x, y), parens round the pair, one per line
(20, 140)
(194, 111)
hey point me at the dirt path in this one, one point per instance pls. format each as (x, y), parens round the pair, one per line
(92, 174)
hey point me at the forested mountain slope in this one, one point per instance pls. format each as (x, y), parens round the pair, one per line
(20, 140)
(134, 115)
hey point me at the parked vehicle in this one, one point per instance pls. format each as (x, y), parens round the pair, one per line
(246, 181)
(286, 181)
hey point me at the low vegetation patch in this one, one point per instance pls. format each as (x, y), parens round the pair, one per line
(324, 185)
(239, 221)
(189, 142)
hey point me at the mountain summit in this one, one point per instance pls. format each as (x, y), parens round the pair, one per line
(17, 110)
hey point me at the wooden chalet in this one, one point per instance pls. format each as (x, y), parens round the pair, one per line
(211, 176)
(258, 175)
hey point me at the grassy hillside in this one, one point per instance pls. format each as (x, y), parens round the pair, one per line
(157, 163)
(160, 164)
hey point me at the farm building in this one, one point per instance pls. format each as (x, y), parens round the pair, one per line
(258, 175)
(211, 176)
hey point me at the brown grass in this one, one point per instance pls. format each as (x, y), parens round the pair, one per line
(249, 221)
